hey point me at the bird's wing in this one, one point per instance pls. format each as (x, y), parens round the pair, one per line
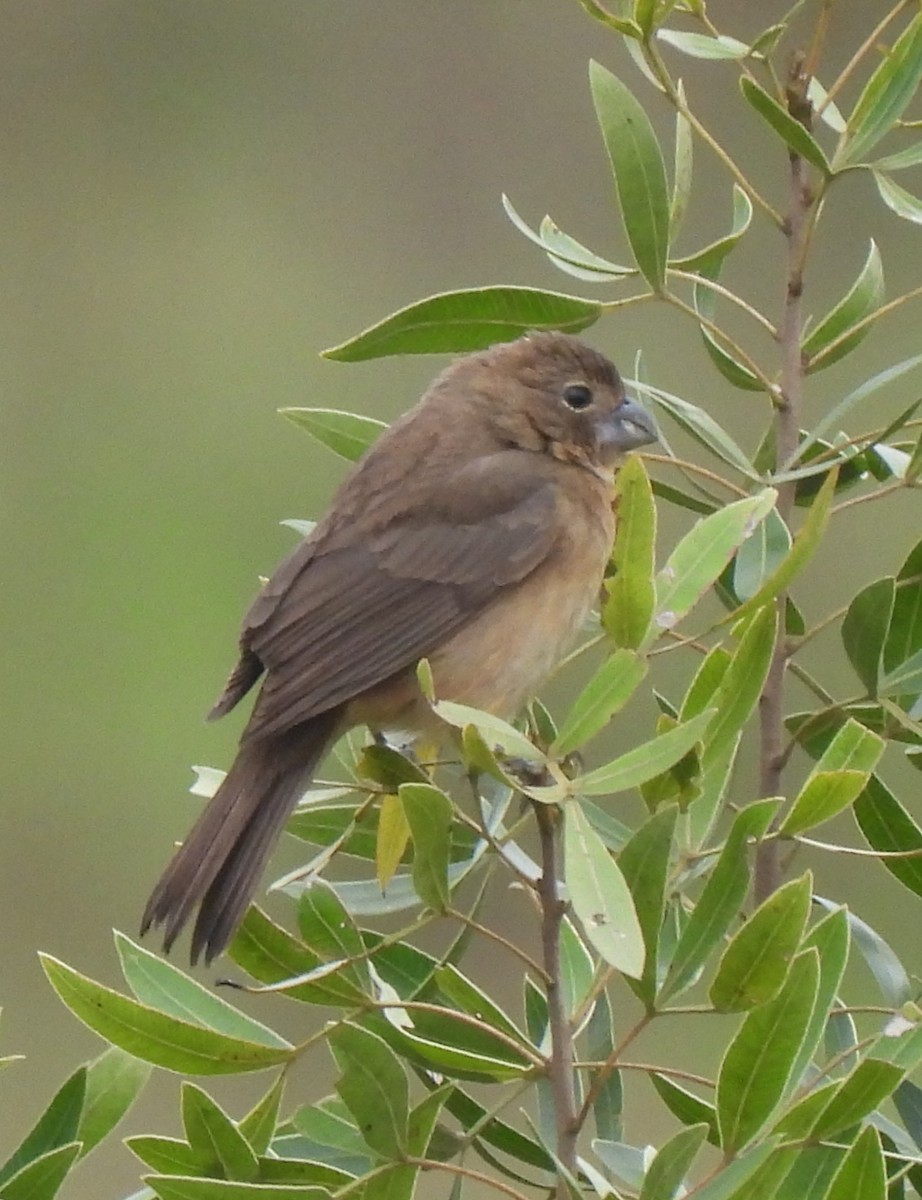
(353, 616)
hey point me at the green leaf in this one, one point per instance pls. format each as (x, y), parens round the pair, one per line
(327, 928)
(644, 863)
(760, 555)
(702, 554)
(179, 1188)
(755, 964)
(885, 96)
(496, 732)
(888, 827)
(649, 759)
(166, 1156)
(258, 1126)
(680, 499)
(683, 166)
(429, 813)
(600, 896)
(741, 685)
(373, 1086)
(865, 627)
(113, 1083)
(608, 1108)
(911, 156)
(41, 1178)
(898, 199)
(665, 1175)
(628, 608)
(468, 1112)
(697, 424)
(469, 998)
(804, 547)
(722, 356)
(871, 1083)
(755, 1073)
(791, 132)
(160, 985)
(883, 963)
(699, 45)
(720, 901)
(447, 1040)
(862, 1175)
(215, 1138)
(56, 1128)
(640, 175)
(347, 434)
(566, 251)
(154, 1036)
(606, 693)
(863, 298)
(830, 938)
(837, 779)
(685, 1105)
(271, 955)
(730, 1182)
(473, 319)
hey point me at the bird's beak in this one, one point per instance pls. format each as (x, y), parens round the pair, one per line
(626, 428)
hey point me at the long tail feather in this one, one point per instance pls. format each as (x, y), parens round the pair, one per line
(218, 866)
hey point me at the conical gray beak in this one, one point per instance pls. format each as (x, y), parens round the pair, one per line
(626, 428)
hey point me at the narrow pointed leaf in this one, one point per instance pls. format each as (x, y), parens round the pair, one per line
(862, 1175)
(792, 133)
(258, 1126)
(732, 1180)
(863, 298)
(755, 964)
(644, 863)
(496, 732)
(703, 553)
(720, 901)
(55, 1128)
(699, 425)
(865, 628)
(393, 839)
(699, 45)
(327, 928)
(871, 1083)
(157, 983)
(760, 555)
(180, 1188)
(41, 1178)
(802, 550)
(552, 240)
(347, 434)
(643, 763)
(837, 779)
(639, 172)
(898, 199)
(888, 827)
(886, 94)
(153, 1036)
(685, 1106)
(467, 320)
(683, 167)
(469, 998)
(604, 695)
(599, 895)
(830, 938)
(666, 1174)
(214, 1137)
(628, 608)
(113, 1083)
(429, 814)
(373, 1086)
(755, 1071)
(880, 957)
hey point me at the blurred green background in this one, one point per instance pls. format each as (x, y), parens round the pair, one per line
(197, 198)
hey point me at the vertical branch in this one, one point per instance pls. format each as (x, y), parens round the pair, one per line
(797, 230)
(560, 1066)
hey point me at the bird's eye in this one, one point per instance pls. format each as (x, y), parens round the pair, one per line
(577, 396)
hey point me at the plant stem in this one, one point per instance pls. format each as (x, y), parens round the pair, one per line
(787, 433)
(560, 1065)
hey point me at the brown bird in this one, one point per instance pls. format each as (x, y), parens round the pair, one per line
(474, 533)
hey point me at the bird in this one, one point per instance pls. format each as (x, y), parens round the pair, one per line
(474, 533)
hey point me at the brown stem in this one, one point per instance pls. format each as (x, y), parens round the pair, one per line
(787, 427)
(560, 1065)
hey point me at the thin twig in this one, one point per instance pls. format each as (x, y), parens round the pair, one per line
(493, 936)
(868, 44)
(560, 1066)
(748, 308)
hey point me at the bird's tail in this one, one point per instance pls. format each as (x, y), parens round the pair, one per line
(218, 866)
